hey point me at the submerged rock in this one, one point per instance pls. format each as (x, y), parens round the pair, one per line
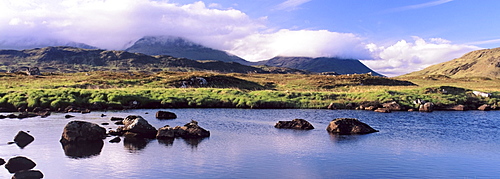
(81, 131)
(19, 163)
(346, 126)
(294, 124)
(165, 115)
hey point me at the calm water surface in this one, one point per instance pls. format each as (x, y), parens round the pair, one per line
(244, 144)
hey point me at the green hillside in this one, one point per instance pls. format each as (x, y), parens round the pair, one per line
(480, 63)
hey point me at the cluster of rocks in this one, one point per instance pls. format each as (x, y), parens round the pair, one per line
(22, 168)
(82, 139)
(341, 126)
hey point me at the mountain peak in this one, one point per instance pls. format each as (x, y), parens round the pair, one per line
(181, 48)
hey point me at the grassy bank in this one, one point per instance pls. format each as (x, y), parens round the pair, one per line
(106, 90)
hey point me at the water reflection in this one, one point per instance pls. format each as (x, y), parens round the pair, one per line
(337, 138)
(135, 144)
(193, 142)
(167, 141)
(83, 150)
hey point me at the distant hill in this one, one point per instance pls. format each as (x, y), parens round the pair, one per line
(181, 48)
(479, 63)
(30, 43)
(71, 59)
(323, 64)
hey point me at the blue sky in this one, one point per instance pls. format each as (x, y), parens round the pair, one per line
(392, 37)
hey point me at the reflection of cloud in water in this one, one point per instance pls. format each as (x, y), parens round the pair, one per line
(83, 149)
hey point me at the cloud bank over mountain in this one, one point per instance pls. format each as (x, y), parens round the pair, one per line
(116, 24)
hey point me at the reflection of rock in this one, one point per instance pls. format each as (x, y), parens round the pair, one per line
(193, 142)
(135, 143)
(165, 115)
(83, 149)
(346, 126)
(166, 141)
(19, 163)
(81, 131)
(294, 124)
(28, 174)
(22, 139)
(139, 126)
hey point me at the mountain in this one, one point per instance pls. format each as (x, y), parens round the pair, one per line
(71, 59)
(479, 63)
(31, 42)
(181, 48)
(322, 64)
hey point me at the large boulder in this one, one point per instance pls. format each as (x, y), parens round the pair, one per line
(19, 163)
(138, 127)
(28, 174)
(294, 124)
(426, 107)
(22, 139)
(393, 106)
(189, 130)
(165, 115)
(81, 131)
(347, 126)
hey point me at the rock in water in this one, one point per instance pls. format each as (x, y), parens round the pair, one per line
(427, 107)
(484, 107)
(294, 124)
(19, 163)
(190, 130)
(165, 115)
(81, 131)
(139, 126)
(22, 139)
(2, 161)
(347, 126)
(382, 110)
(28, 174)
(393, 106)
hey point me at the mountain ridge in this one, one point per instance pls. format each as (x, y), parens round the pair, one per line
(320, 64)
(72, 59)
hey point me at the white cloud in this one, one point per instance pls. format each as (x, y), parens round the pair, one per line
(291, 4)
(112, 23)
(405, 57)
(422, 5)
(308, 43)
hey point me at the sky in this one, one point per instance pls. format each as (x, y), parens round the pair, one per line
(392, 37)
